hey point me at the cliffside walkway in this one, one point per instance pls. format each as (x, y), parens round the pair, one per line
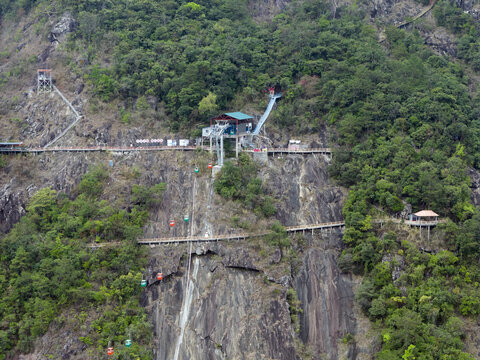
(382, 37)
(126, 149)
(408, 222)
(425, 10)
(326, 151)
(77, 118)
(237, 236)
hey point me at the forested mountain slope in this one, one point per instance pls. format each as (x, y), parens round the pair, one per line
(403, 120)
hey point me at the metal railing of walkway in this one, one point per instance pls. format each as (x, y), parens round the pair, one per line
(124, 149)
(237, 236)
(423, 11)
(408, 222)
(222, 237)
(296, 151)
(98, 149)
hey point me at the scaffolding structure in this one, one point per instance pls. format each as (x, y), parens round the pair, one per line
(44, 80)
(218, 133)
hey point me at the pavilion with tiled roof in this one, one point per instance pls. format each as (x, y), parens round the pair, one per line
(424, 218)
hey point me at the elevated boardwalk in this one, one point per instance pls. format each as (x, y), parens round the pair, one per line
(423, 11)
(99, 149)
(420, 223)
(326, 151)
(127, 149)
(418, 16)
(237, 236)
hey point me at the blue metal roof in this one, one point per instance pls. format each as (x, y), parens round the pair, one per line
(239, 115)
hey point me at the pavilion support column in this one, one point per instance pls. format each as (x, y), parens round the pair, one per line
(236, 146)
(221, 150)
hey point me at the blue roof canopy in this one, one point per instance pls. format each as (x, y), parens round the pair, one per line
(239, 115)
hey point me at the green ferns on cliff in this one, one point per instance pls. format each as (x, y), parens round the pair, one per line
(46, 268)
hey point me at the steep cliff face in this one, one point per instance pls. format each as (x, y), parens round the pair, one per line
(217, 301)
(25, 175)
(225, 311)
(230, 298)
(303, 186)
(475, 186)
(327, 302)
(233, 303)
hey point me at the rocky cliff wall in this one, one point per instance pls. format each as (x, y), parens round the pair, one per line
(233, 314)
(239, 307)
(327, 302)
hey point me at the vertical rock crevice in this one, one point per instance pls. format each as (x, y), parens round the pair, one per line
(326, 297)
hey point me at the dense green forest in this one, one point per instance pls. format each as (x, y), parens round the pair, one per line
(47, 268)
(404, 123)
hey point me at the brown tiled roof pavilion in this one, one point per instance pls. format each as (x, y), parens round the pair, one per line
(426, 213)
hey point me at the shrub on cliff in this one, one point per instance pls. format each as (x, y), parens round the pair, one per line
(240, 183)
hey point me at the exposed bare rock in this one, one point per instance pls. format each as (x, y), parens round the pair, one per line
(265, 10)
(235, 314)
(472, 336)
(232, 315)
(475, 186)
(327, 302)
(79, 88)
(57, 35)
(304, 185)
(11, 210)
(441, 41)
(398, 265)
(241, 259)
(471, 7)
(61, 29)
(276, 257)
(392, 11)
(475, 12)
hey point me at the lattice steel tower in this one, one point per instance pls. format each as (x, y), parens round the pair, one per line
(44, 80)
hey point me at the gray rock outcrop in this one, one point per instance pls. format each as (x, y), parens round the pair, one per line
(326, 296)
(265, 10)
(61, 29)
